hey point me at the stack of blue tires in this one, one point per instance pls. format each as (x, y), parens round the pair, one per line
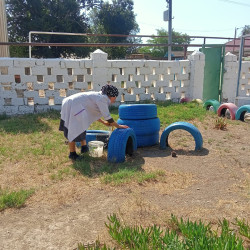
(142, 118)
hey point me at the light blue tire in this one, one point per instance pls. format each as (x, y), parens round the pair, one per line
(121, 142)
(240, 113)
(142, 127)
(185, 126)
(137, 111)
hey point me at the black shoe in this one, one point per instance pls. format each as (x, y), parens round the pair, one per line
(74, 156)
(84, 149)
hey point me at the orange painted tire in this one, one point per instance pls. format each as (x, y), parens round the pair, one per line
(230, 106)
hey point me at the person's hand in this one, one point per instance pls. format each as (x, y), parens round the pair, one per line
(123, 126)
(107, 124)
(104, 122)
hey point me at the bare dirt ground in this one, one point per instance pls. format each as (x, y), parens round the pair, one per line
(209, 185)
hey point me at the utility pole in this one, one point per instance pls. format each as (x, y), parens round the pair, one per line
(4, 50)
(235, 33)
(168, 17)
(170, 29)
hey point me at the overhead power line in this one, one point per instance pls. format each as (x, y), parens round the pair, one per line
(234, 2)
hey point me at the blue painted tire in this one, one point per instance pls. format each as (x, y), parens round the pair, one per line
(212, 102)
(137, 111)
(92, 135)
(121, 142)
(147, 140)
(185, 126)
(142, 127)
(240, 113)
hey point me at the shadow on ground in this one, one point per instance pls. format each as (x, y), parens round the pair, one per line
(27, 124)
(155, 151)
(94, 167)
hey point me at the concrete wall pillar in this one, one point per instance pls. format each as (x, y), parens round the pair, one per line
(197, 62)
(230, 78)
(100, 68)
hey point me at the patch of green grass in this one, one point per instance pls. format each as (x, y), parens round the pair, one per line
(3, 151)
(181, 235)
(173, 112)
(3, 116)
(23, 124)
(142, 177)
(123, 176)
(168, 112)
(13, 199)
(115, 174)
(84, 167)
(129, 175)
(93, 167)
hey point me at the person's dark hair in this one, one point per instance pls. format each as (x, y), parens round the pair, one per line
(110, 90)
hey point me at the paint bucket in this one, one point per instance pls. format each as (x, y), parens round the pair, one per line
(95, 148)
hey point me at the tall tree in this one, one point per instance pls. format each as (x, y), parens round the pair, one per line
(245, 30)
(46, 15)
(114, 18)
(161, 51)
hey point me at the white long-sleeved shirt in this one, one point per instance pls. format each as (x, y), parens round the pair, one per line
(81, 109)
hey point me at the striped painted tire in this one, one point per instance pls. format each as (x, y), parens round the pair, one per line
(185, 126)
(212, 103)
(137, 111)
(121, 142)
(142, 127)
(227, 106)
(240, 113)
(147, 140)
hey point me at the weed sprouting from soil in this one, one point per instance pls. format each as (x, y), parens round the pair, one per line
(220, 123)
(179, 234)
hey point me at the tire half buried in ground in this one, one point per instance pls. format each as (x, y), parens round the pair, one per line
(185, 126)
(121, 143)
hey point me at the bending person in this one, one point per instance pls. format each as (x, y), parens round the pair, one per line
(80, 110)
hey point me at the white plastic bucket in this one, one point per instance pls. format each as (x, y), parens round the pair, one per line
(96, 148)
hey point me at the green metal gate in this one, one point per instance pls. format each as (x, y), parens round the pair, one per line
(213, 72)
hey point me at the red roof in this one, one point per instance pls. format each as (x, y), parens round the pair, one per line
(236, 42)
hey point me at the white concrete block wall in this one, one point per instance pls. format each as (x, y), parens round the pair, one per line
(34, 85)
(245, 79)
(230, 80)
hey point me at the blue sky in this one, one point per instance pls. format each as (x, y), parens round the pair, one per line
(195, 17)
